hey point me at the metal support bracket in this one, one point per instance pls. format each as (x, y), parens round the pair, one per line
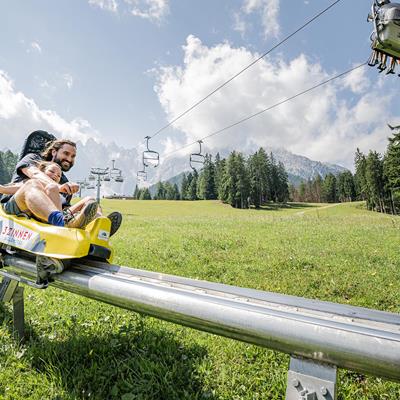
(7, 289)
(311, 380)
(19, 313)
(10, 290)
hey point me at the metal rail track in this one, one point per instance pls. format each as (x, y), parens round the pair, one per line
(323, 333)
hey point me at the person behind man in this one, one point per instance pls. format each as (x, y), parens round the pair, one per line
(32, 196)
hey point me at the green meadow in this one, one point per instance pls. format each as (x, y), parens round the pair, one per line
(82, 349)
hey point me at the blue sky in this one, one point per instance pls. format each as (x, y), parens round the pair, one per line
(117, 70)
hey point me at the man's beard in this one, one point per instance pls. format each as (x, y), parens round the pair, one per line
(64, 165)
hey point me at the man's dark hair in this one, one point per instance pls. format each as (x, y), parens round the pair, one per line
(55, 145)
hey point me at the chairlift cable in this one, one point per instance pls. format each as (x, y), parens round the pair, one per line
(245, 68)
(270, 107)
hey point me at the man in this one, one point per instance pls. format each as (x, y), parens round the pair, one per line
(33, 198)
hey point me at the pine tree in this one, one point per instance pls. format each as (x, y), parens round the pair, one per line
(10, 161)
(273, 179)
(317, 188)
(192, 189)
(4, 174)
(392, 170)
(145, 194)
(184, 187)
(283, 184)
(220, 169)
(302, 191)
(375, 182)
(177, 195)
(136, 193)
(329, 189)
(236, 184)
(160, 191)
(206, 183)
(346, 187)
(359, 178)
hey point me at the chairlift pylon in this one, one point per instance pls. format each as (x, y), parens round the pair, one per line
(151, 158)
(386, 35)
(197, 158)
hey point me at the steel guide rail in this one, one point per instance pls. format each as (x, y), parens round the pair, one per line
(326, 334)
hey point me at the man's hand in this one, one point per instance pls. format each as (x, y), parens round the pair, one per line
(69, 188)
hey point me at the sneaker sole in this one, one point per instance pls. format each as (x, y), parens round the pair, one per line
(116, 221)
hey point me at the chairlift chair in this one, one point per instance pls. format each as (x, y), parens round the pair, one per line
(142, 175)
(91, 177)
(151, 158)
(119, 178)
(107, 178)
(386, 35)
(197, 159)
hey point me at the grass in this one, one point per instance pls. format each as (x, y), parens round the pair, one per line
(82, 349)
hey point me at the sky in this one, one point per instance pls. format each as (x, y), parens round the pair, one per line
(119, 70)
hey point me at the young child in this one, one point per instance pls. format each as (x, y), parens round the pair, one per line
(85, 209)
(76, 216)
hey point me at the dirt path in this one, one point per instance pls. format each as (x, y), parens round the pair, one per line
(318, 208)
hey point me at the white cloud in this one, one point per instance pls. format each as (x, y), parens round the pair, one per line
(108, 5)
(69, 80)
(34, 47)
(322, 125)
(357, 81)
(20, 115)
(154, 10)
(269, 12)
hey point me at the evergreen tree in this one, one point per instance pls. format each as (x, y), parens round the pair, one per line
(375, 182)
(255, 180)
(236, 183)
(168, 191)
(184, 187)
(177, 195)
(273, 179)
(219, 177)
(206, 183)
(392, 170)
(136, 193)
(317, 188)
(329, 189)
(359, 178)
(302, 191)
(4, 174)
(161, 191)
(10, 161)
(282, 184)
(345, 187)
(192, 189)
(145, 194)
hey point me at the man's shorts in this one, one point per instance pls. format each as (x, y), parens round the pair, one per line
(11, 207)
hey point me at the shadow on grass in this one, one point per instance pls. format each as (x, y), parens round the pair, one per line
(133, 361)
(283, 206)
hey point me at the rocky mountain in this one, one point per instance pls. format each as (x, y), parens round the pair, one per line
(95, 154)
(298, 167)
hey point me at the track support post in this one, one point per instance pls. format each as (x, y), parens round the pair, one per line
(11, 291)
(310, 380)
